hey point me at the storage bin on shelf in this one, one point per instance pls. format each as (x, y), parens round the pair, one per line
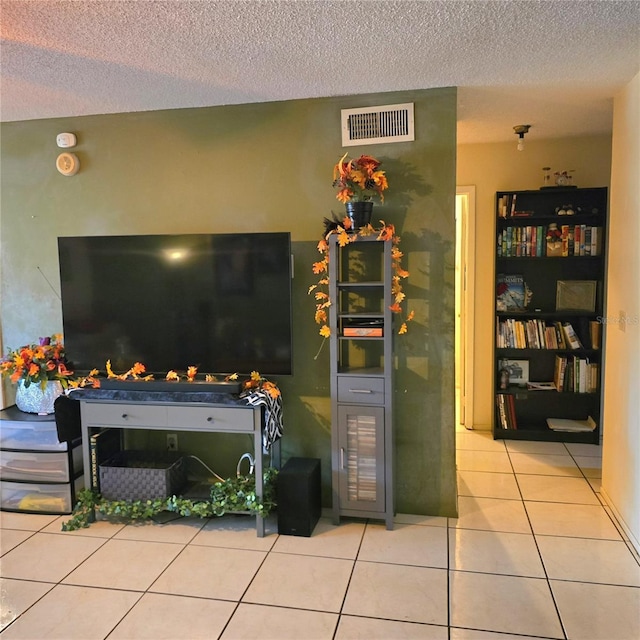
(142, 475)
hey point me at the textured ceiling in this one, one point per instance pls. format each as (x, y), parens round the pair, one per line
(552, 64)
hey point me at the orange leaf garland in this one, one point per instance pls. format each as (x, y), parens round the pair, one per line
(385, 233)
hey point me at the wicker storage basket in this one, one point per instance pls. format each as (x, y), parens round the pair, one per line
(142, 475)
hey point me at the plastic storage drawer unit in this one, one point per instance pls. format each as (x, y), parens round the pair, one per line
(38, 498)
(38, 474)
(41, 466)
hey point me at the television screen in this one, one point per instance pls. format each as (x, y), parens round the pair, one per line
(221, 302)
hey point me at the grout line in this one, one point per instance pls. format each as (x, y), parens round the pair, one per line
(535, 541)
(353, 568)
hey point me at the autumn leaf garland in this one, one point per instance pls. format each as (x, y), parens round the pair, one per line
(320, 290)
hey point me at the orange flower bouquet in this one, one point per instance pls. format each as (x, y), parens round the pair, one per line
(359, 180)
(38, 363)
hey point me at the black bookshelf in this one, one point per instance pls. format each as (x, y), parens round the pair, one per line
(536, 249)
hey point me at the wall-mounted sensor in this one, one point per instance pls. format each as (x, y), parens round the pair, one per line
(67, 164)
(66, 140)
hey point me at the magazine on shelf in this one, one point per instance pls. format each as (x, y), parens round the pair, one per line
(512, 293)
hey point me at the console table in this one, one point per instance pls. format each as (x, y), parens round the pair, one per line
(174, 411)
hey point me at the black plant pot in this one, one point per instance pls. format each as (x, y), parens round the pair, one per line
(359, 213)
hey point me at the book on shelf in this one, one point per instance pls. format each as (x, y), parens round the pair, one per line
(102, 445)
(575, 426)
(595, 333)
(511, 293)
(541, 386)
(530, 241)
(536, 334)
(571, 337)
(575, 375)
(506, 411)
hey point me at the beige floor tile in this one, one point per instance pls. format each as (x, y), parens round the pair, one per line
(355, 628)
(124, 564)
(601, 561)
(574, 520)
(486, 484)
(328, 540)
(301, 582)
(210, 572)
(98, 529)
(180, 531)
(162, 617)
(406, 544)
(496, 461)
(556, 489)
(72, 613)
(11, 538)
(590, 466)
(623, 534)
(395, 592)
(233, 532)
(491, 514)
(598, 612)
(478, 441)
(428, 521)
(24, 521)
(544, 464)
(512, 554)
(503, 603)
(253, 621)
(526, 446)
(16, 596)
(596, 484)
(580, 449)
(474, 634)
(47, 556)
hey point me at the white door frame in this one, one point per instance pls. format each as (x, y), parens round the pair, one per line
(467, 298)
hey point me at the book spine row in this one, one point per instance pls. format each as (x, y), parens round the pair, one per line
(537, 334)
(576, 375)
(506, 411)
(531, 241)
(507, 205)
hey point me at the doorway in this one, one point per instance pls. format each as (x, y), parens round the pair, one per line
(464, 304)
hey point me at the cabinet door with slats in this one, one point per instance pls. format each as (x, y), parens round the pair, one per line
(361, 442)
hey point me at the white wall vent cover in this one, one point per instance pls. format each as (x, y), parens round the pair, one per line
(377, 125)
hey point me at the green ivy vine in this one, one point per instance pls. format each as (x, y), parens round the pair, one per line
(233, 495)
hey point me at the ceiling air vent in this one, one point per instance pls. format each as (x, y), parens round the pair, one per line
(377, 125)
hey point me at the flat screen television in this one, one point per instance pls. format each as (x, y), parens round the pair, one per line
(221, 302)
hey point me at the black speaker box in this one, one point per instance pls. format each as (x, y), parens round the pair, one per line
(299, 502)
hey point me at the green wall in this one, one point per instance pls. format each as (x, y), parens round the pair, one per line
(256, 167)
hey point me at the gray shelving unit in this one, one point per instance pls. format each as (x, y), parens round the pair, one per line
(360, 279)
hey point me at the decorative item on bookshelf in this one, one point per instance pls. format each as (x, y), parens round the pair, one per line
(576, 295)
(518, 371)
(554, 240)
(564, 178)
(503, 378)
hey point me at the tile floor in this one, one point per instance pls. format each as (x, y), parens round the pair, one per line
(533, 554)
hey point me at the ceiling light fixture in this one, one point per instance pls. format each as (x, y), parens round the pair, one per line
(520, 130)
